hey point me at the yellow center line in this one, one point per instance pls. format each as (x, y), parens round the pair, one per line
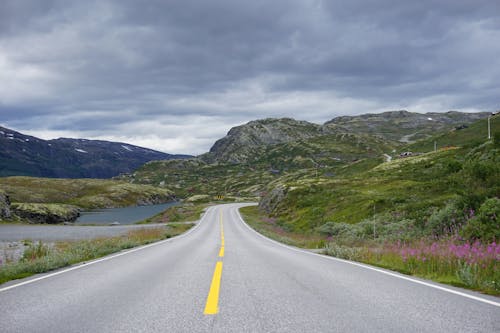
(212, 305)
(221, 230)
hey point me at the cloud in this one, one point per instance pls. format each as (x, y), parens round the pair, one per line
(175, 76)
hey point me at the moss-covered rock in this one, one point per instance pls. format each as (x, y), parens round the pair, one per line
(46, 213)
(4, 206)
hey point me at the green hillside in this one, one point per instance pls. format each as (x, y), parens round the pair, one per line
(323, 154)
(84, 193)
(408, 191)
(469, 136)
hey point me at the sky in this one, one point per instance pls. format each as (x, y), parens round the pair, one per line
(176, 75)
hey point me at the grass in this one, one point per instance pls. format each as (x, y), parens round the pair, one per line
(268, 227)
(40, 258)
(455, 262)
(183, 213)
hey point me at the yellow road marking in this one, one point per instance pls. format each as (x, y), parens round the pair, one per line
(212, 305)
(221, 252)
(221, 229)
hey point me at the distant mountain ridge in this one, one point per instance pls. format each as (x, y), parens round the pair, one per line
(403, 126)
(24, 155)
(242, 143)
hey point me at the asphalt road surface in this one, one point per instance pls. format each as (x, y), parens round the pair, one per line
(222, 276)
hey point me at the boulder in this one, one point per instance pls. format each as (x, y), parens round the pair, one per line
(46, 213)
(272, 199)
(4, 206)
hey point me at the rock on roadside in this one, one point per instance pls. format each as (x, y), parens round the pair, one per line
(46, 213)
(4, 206)
(270, 201)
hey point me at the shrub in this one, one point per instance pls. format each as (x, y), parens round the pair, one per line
(485, 225)
(496, 139)
(447, 220)
(334, 228)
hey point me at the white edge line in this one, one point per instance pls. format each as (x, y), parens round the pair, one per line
(78, 266)
(487, 301)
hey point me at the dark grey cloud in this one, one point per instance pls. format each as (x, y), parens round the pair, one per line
(175, 75)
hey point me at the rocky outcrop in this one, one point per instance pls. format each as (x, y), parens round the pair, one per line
(46, 213)
(271, 200)
(4, 206)
(244, 142)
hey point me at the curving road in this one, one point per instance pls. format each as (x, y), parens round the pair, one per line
(222, 276)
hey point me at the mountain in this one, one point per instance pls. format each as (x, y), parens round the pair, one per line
(23, 155)
(246, 140)
(402, 125)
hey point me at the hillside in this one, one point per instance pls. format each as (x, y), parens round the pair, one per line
(23, 155)
(318, 154)
(241, 142)
(246, 142)
(404, 191)
(84, 193)
(403, 126)
(261, 151)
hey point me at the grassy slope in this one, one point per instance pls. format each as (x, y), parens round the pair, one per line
(85, 193)
(319, 155)
(472, 136)
(409, 187)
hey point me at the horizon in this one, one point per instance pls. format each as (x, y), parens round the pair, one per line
(33, 133)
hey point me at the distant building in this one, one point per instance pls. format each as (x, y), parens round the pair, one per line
(406, 154)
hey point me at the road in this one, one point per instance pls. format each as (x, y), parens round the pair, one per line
(49, 233)
(222, 276)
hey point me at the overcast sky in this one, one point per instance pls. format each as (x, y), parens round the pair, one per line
(176, 75)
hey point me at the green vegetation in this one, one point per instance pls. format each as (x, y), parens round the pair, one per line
(39, 257)
(267, 226)
(84, 193)
(183, 213)
(470, 136)
(409, 189)
(322, 155)
(450, 261)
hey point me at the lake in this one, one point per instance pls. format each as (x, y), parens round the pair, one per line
(125, 215)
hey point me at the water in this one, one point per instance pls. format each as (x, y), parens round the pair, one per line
(126, 215)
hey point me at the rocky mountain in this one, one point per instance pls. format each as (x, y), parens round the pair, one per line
(246, 140)
(402, 125)
(70, 158)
